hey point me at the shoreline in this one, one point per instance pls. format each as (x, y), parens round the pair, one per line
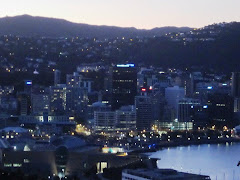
(163, 145)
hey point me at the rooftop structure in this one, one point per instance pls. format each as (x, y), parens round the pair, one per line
(159, 174)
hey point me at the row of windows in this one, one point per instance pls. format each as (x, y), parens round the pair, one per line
(128, 178)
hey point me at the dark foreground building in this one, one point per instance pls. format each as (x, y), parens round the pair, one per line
(159, 174)
(62, 161)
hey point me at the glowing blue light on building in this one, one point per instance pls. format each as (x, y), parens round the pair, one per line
(125, 65)
(205, 107)
(209, 87)
(28, 82)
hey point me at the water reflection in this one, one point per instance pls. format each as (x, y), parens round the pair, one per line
(217, 160)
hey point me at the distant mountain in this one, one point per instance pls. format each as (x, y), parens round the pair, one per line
(26, 25)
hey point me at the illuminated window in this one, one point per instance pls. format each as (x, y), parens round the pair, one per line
(101, 166)
(7, 165)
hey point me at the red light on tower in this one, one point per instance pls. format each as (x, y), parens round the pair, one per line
(143, 89)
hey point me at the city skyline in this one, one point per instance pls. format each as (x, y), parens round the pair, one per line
(140, 14)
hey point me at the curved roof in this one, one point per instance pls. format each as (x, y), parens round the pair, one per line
(97, 104)
(15, 129)
(68, 141)
(237, 128)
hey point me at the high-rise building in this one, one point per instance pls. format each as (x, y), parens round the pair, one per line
(158, 103)
(73, 80)
(236, 105)
(58, 99)
(221, 108)
(57, 77)
(28, 87)
(24, 102)
(185, 109)
(173, 95)
(124, 85)
(144, 112)
(77, 80)
(236, 84)
(76, 101)
(187, 82)
(40, 103)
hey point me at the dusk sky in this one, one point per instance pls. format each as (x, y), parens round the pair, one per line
(129, 13)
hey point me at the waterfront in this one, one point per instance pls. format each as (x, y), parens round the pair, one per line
(219, 161)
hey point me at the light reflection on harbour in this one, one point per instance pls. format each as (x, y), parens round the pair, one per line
(219, 161)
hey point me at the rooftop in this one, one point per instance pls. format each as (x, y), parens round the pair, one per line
(164, 174)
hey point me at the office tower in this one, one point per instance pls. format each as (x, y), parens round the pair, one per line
(126, 119)
(186, 108)
(236, 84)
(124, 85)
(77, 80)
(40, 103)
(144, 112)
(187, 83)
(221, 110)
(104, 121)
(97, 106)
(58, 99)
(236, 105)
(57, 77)
(173, 95)
(73, 80)
(28, 87)
(146, 78)
(76, 101)
(123, 120)
(24, 103)
(158, 103)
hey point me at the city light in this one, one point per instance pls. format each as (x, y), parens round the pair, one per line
(125, 65)
(28, 82)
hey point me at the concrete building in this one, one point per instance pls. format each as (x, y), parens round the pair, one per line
(122, 120)
(76, 101)
(97, 106)
(76, 80)
(58, 99)
(143, 106)
(48, 124)
(104, 121)
(40, 103)
(126, 119)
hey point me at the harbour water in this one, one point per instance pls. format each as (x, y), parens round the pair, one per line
(219, 161)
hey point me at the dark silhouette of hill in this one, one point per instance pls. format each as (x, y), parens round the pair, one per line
(26, 25)
(215, 46)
